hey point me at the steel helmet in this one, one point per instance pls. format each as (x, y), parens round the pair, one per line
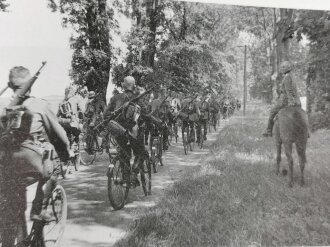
(18, 76)
(128, 83)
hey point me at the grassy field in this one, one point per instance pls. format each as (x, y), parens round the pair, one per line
(234, 198)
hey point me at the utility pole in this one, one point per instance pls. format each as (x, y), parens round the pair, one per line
(245, 86)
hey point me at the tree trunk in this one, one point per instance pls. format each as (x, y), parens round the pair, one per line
(98, 36)
(151, 12)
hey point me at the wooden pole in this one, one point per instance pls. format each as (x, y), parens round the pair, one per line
(245, 86)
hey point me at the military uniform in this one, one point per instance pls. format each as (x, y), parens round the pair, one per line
(25, 158)
(204, 118)
(288, 97)
(70, 122)
(191, 108)
(161, 110)
(137, 145)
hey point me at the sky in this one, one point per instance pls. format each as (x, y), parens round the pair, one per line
(30, 33)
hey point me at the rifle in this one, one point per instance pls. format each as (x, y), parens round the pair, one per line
(185, 106)
(119, 110)
(20, 93)
(161, 103)
(3, 90)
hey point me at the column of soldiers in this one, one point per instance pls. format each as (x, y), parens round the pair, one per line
(40, 127)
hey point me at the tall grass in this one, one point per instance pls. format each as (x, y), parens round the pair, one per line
(234, 198)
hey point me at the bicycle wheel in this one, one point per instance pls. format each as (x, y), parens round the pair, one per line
(201, 139)
(53, 232)
(192, 141)
(160, 151)
(117, 189)
(145, 174)
(88, 146)
(153, 153)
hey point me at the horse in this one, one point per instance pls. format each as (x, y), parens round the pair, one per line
(291, 126)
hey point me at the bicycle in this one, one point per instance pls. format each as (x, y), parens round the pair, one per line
(118, 188)
(213, 121)
(90, 145)
(156, 148)
(173, 132)
(72, 162)
(188, 140)
(41, 234)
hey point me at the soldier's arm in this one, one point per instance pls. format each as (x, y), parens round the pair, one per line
(110, 108)
(81, 104)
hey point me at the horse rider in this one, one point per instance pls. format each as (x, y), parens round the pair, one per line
(137, 143)
(288, 96)
(37, 131)
(69, 112)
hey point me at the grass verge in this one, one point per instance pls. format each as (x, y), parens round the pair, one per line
(234, 198)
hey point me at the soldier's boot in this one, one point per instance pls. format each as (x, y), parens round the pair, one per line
(269, 130)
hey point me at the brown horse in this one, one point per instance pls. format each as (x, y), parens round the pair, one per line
(291, 127)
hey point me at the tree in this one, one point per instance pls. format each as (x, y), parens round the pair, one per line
(3, 5)
(315, 25)
(91, 21)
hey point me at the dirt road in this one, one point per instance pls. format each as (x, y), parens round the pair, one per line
(91, 219)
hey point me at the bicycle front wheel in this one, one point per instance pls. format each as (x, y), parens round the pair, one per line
(154, 153)
(117, 188)
(145, 174)
(54, 231)
(88, 147)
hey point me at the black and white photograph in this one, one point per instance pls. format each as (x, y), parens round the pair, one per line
(164, 123)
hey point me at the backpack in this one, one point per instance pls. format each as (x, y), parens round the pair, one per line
(66, 109)
(18, 122)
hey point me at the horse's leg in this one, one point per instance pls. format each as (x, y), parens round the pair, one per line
(278, 157)
(301, 151)
(278, 143)
(288, 153)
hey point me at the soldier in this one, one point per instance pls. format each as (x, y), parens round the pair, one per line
(214, 108)
(160, 108)
(90, 112)
(24, 148)
(69, 113)
(137, 144)
(288, 96)
(191, 108)
(204, 117)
